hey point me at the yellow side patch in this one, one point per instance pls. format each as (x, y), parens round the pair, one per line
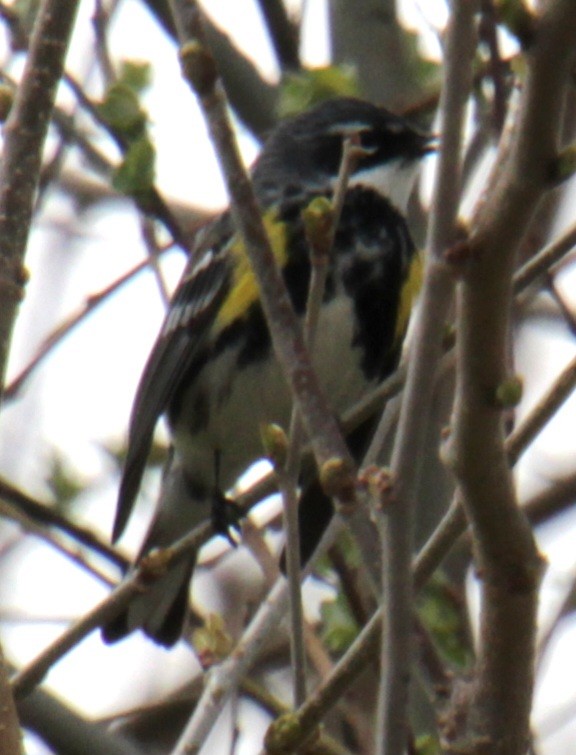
(244, 289)
(408, 294)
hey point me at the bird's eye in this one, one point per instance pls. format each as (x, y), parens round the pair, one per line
(369, 141)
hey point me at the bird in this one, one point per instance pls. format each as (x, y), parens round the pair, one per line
(212, 371)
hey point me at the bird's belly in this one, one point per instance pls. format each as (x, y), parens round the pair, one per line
(240, 401)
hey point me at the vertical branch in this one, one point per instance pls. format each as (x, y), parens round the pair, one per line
(321, 220)
(283, 33)
(396, 521)
(508, 562)
(24, 136)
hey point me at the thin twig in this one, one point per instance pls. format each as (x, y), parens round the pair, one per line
(42, 513)
(32, 675)
(68, 325)
(223, 678)
(138, 581)
(425, 353)
(489, 34)
(559, 496)
(523, 435)
(321, 241)
(32, 527)
(565, 308)
(154, 251)
(542, 263)
(10, 734)
(100, 24)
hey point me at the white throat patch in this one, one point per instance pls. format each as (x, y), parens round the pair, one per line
(394, 180)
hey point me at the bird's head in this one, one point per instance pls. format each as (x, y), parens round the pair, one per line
(306, 150)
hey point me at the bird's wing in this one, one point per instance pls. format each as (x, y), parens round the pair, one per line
(184, 332)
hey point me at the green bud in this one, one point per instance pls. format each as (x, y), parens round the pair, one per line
(281, 734)
(318, 218)
(121, 110)
(337, 479)
(509, 392)
(212, 642)
(275, 444)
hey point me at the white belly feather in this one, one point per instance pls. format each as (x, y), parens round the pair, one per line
(258, 394)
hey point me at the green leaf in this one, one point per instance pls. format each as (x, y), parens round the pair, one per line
(121, 110)
(63, 482)
(442, 611)
(340, 629)
(135, 74)
(301, 90)
(135, 175)
(427, 745)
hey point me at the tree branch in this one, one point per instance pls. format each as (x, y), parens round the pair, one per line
(24, 136)
(283, 33)
(508, 561)
(425, 353)
(10, 735)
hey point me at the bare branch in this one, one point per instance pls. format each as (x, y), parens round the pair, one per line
(10, 735)
(508, 560)
(24, 136)
(253, 98)
(66, 731)
(425, 354)
(283, 33)
(45, 514)
(542, 263)
(68, 325)
(557, 497)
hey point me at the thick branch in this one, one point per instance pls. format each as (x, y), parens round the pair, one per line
(508, 561)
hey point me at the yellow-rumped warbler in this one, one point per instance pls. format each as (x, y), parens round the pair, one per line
(212, 370)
